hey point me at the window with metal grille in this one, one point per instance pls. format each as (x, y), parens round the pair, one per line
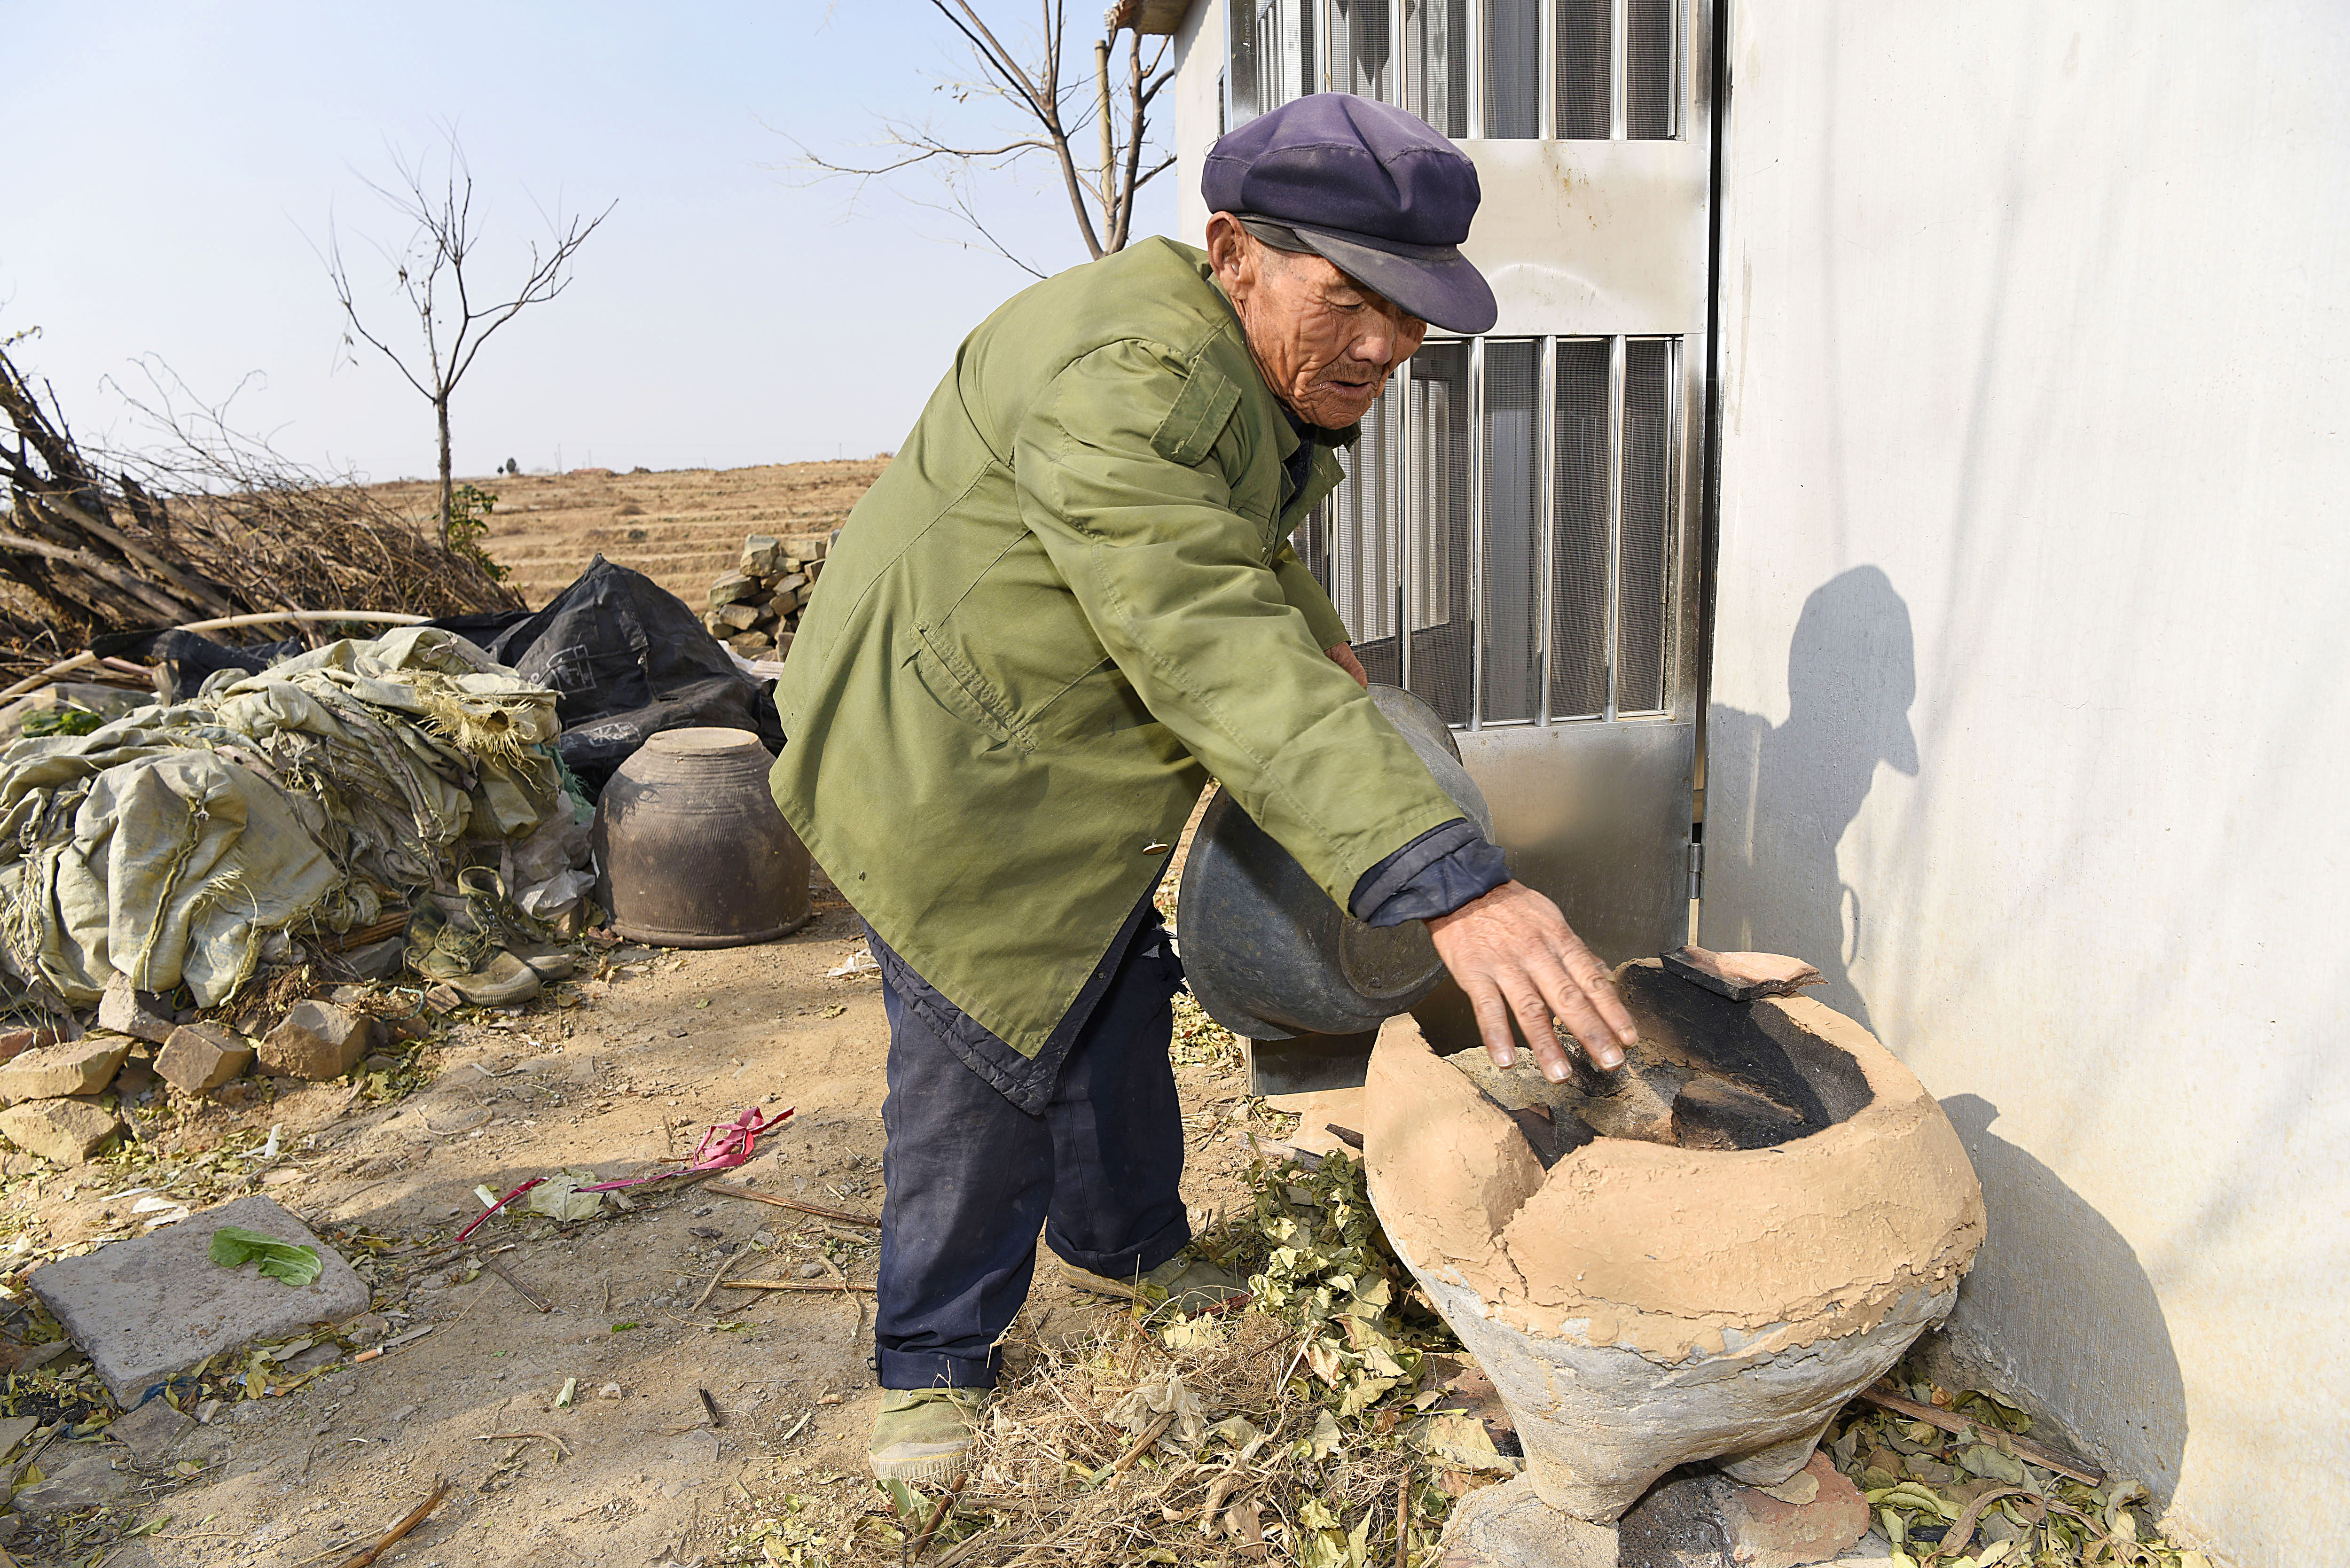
(1566, 70)
(1504, 544)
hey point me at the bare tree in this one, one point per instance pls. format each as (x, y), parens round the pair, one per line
(1051, 108)
(430, 270)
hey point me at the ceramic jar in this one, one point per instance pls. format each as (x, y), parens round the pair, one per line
(690, 851)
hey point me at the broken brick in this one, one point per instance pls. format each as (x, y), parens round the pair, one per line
(63, 1132)
(201, 1057)
(82, 1066)
(317, 1041)
(142, 1014)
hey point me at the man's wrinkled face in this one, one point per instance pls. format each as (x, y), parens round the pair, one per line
(1325, 344)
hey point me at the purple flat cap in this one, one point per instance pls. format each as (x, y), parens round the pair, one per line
(1368, 187)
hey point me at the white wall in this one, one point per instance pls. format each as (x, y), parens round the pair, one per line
(2036, 376)
(1198, 111)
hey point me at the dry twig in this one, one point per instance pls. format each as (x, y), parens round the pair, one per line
(2047, 1458)
(391, 1538)
(824, 1287)
(728, 1190)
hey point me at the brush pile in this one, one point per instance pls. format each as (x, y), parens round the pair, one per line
(755, 608)
(1305, 1429)
(211, 526)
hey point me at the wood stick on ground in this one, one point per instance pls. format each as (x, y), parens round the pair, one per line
(728, 1190)
(1151, 1434)
(1403, 1520)
(390, 1538)
(971, 1547)
(921, 1544)
(524, 1291)
(823, 1286)
(561, 1451)
(726, 1263)
(2007, 1442)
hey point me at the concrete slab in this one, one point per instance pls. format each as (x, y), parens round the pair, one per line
(146, 1309)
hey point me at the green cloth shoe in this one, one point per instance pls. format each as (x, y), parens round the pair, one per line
(923, 1436)
(1188, 1282)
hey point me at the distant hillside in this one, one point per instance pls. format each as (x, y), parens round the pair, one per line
(680, 529)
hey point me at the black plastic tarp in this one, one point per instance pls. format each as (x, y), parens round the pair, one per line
(630, 660)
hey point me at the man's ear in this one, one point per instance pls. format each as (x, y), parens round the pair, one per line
(1228, 252)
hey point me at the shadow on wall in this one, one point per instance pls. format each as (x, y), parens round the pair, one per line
(2059, 1310)
(1779, 797)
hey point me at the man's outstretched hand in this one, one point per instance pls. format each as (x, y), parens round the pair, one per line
(1512, 952)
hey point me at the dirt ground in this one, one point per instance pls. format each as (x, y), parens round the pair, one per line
(676, 1042)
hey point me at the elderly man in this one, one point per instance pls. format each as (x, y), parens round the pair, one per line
(1066, 606)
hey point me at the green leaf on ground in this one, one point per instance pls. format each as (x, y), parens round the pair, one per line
(294, 1264)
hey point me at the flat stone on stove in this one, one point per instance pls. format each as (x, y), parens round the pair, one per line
(144, 1310)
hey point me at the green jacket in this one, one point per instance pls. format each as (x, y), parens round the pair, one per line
(1066, 604)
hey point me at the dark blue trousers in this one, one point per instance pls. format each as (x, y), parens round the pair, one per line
(971, 1175)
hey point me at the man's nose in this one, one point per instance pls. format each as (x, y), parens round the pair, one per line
(1375, 343)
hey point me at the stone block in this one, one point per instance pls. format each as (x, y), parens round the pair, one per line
(1697, 1515)
(1508, 1526)
(63, 1132)
(762, 556)
(317, 1040)
(1816, 1516)
(149, 1432)
(17, 1042)
(752, 644)
(142, 1014)
(741, 616)
(78, 1482)
(201, 1057)
(147, 1309)
(82, 1066)
(730, 587)
(376, 960)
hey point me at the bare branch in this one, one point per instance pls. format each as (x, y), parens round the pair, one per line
(1055, 104)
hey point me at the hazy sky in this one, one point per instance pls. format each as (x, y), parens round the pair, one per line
(186, 159)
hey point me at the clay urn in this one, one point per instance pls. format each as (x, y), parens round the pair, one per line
(690, 851)
(1778, 1210)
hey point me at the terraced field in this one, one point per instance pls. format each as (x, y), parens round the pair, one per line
(681, 528)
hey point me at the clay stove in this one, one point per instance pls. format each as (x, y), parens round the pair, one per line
(1704, 1264)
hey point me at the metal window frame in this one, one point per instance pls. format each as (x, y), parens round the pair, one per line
(1411, 499)
(1677, 485)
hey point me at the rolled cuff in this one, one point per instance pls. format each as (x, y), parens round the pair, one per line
(1435, 873)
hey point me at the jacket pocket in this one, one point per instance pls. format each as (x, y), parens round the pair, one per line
(961, 690)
